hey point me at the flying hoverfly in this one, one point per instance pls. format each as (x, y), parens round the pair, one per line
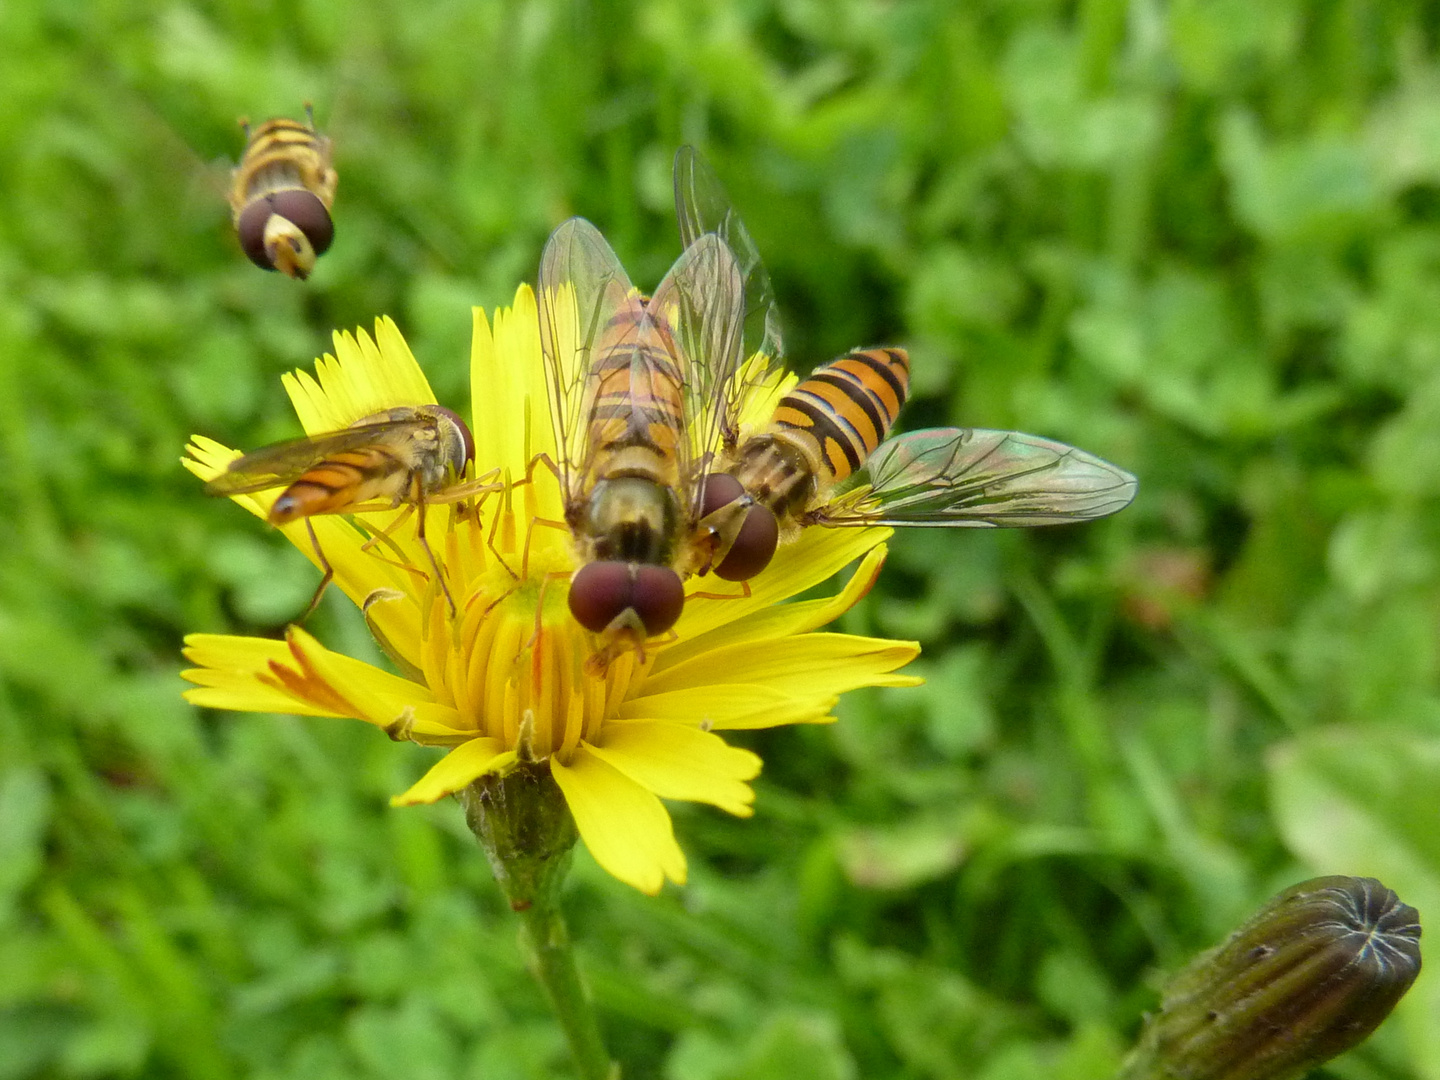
(636, 389)
(823, 458)
(412, 454)
(281, 194)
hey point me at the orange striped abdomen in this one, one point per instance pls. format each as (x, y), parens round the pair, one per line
(340, 482)
(638, 398)
(848, 406)
(287, 148)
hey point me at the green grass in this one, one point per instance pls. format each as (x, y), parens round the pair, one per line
(1201, 239)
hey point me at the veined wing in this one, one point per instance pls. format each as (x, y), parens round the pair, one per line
(284, 462)
(698, 309)
(973, 477)
(703, 207)
(582, 288)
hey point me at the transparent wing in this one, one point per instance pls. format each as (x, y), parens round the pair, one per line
(702, 207)
(972, 477)
(284, 462)
(698, 310)
(582, 288)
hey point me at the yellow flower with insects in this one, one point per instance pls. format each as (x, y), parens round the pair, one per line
(507, 678)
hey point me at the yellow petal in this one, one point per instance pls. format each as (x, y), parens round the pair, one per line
(462, 766)
(240, 673)
(230, 652)
(237, 673)
(363, 377)
(626, 827)
(729, 706)
(509, 403)
(676, 761)
(372, 695)
(783, 620)
(760, 398)
(399, 379)
(811, 664)
(241, 692)
(207, 459)
(818, 554)
(429, 725)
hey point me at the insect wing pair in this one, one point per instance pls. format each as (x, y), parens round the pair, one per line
(824, 460)
(978, 478)
(637, 388)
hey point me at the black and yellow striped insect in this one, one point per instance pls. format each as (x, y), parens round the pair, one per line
(823, 458)
(281, 194)
(411, 454)
(635, 398)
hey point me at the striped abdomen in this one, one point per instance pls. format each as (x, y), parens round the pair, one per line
(847, 407)
(638, 400)
(282, 153)
(346, 479)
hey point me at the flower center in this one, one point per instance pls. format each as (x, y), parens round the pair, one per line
(512, 661)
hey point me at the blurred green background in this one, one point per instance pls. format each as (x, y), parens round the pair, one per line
(1200, 238)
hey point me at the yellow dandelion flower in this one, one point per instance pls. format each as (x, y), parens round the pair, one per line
(504, 680)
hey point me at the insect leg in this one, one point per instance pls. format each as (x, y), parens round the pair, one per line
(529, 533)
(401, 561)
(383, 535)
(743, 594)
(506, 515)
(555, 575)
(418, 497)
(542, 459)
(324, 565)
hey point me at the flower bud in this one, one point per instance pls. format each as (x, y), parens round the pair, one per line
(1308, 977)
(523, 823)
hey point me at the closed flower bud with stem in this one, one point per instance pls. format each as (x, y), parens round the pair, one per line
(1309, 976)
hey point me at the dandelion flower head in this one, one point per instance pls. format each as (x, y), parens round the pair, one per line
(504, 678)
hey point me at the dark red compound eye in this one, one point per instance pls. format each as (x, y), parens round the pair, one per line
(465, 435)
(251, 230)
(307, 213)
(659, 597)
(754, 546)
(301, 208)
(600, 591)
(720, 489)
(755, 543)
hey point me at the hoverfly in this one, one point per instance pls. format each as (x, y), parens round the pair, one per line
(823, 459)
(637, 386)
(281, 194)
(412, 454)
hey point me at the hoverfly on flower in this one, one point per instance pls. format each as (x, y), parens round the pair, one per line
(821, 461)
(411, 454)
(281, 193)
(636, 393)
(823, 458)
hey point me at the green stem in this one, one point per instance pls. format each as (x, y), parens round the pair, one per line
(552, 959)
(525, 827)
